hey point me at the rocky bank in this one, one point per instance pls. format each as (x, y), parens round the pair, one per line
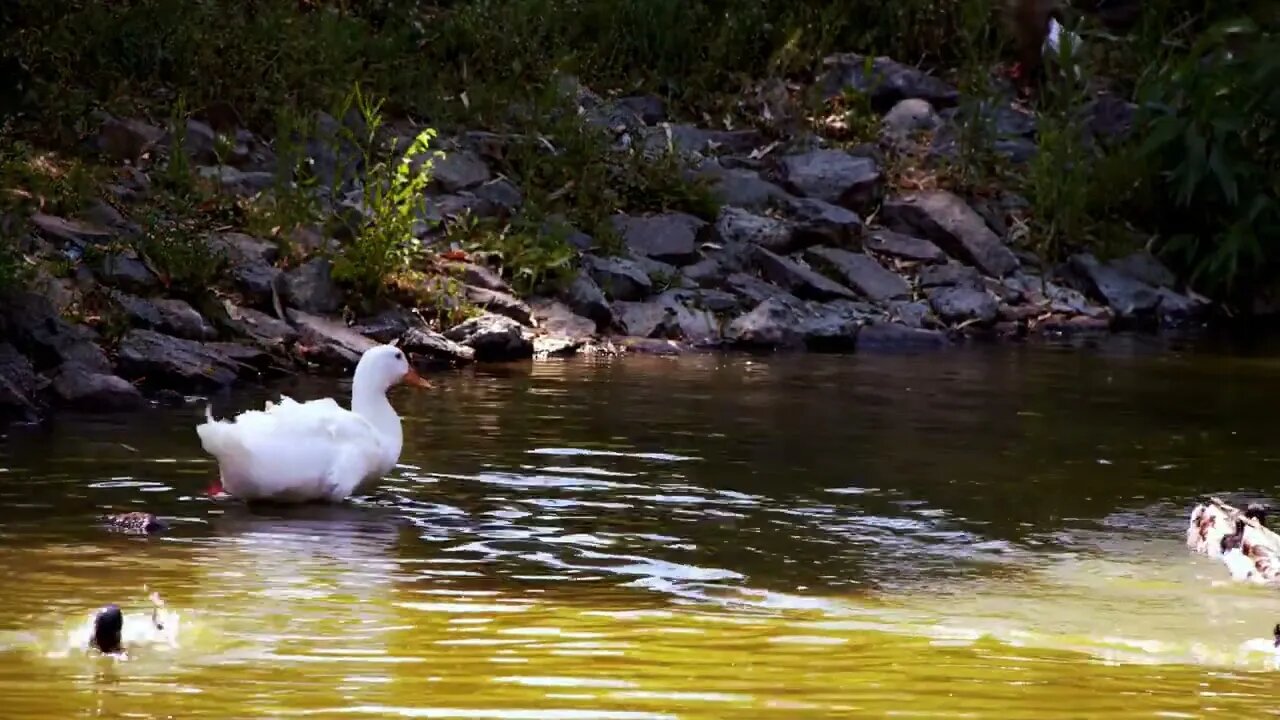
(814, 248)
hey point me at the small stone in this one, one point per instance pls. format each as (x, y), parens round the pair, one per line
(500, 303)
(886, 81)
(81, 388)
(833, 176)
(459, 170)
(185, 363)
(961, 304)
(948, 221)
(739, 226)
(32, 324)
(619, 278)
(494, 338)
(126, 270)
(914, 314)
(435, 348)
(906, 247)
(745, 189)
(821, 223)
(167, 315)
(1128, 296)
(950, 275)
(558, 319)
(477, 275)
(754, 291)
(669, 237)
(798, 279)
(501, 193)
(75, 232)
(910, 115)
(860, 272)
(891, 336)
(328, 341)
(263, 329)
(773, 324)
(234, 181)
(585, 298)
(128, 140)
(547, 346)
(310, 287)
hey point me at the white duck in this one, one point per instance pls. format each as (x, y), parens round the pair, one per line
(317, 450)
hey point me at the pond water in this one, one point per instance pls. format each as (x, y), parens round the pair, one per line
(978, 533)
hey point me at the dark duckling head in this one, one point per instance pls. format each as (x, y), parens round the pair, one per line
(1235, 539)
(1257, 512)
(141, 523)
(107, 625)
(1276, 633)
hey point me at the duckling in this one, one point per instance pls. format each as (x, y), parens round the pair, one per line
(137, 523)
(1208, 525)
(1235, 556)
(108, 627)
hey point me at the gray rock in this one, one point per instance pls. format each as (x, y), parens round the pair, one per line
(1108, 118)
(669, 237)
(908, 116)
(821, 223)
(126, 270)
(913, 314)
(332, 156)
(494, 338)
(435, 348)
(739, 226)
(200, 143)
(619, 278)
(833, 176)
(77, 233)
(31, 323)
(886, 81)
(716, 301)
(959, 304)
(327, 341)
(545, 346)
(499, 302)
(1127, 296)
(559, 319)
(797, 279)
(477, 275)
(459, 170)
(1144, 266)
(667, 316)
(660, 274)
(833, 326)
(860, 272)
(707, 272)
(166, 315)
(754, 291)
(184, 364)
(687, 139)
(772, 324)
(235, 181)
(310, 287)
(649, 108)
(948, 221)
(906, 247)
(745, 189)
(585, 298)
(125, 139)
(950, 275)
(19, 386)
(77, 387)
(99, 214)
(891, 336)
(501, 193)
(263, 329)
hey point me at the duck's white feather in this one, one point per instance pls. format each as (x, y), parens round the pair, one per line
(316, 450)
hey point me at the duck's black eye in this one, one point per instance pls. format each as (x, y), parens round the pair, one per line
(399, 356)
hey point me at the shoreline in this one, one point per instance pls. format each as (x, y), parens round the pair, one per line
(791, 244)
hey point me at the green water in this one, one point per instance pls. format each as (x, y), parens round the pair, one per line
(980, 533)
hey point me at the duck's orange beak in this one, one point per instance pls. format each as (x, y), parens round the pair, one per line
(413, 378)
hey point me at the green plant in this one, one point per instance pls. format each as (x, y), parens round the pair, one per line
(385, 243)
(174, 245)
(1213, 142)
(533, 254)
